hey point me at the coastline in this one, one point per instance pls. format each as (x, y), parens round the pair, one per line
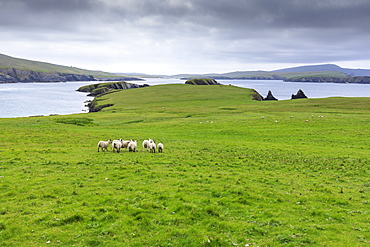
(34, 99)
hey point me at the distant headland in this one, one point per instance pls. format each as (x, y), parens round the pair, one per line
(13, 70)
(22, 70)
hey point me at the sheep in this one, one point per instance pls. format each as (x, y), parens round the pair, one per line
(132, 146)
(146, 144)
(152, 147)
(125, 143)
(117, 144)
(104, 145)
(160, 147)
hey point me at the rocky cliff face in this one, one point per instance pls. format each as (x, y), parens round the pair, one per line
(202, 82)
(17, 75)
(349, 79)
(101, 88)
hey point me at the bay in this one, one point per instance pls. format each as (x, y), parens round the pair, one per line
(33, 99)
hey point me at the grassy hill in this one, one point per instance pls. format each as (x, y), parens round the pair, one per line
(234, 172)
(29, 65)
(321, 70)
(266, 75)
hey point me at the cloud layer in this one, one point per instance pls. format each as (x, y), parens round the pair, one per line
(173, 36)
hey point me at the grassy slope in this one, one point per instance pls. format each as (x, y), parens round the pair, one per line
(271, 75)
(287, 74)
(240, 180)
(24, 64)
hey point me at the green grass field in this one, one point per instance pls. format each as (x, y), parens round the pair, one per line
(234, 172)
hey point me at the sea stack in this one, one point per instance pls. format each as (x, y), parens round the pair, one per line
(270, 96)
(300, 95)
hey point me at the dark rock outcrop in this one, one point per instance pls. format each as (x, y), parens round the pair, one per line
(17, 75)
(94, 108)
(300, 95)
(256, 96)
(202, 82)
(270, 96)
(319, 79)
(102, 88)
(11, 75)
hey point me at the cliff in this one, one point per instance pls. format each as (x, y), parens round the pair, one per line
(348, 79)
(102, 88)
(17, 75)
(11, 75)
(202, 82)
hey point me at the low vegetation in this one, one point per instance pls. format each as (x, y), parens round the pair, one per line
(234, 172)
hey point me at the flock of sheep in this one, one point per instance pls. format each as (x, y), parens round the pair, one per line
(131, 145)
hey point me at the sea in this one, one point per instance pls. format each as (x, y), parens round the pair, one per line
(44, 99)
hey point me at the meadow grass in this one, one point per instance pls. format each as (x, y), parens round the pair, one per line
(234, 172)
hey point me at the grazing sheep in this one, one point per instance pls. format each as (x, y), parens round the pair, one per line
(160, 147)
(117, 144)
(132, 146)
(152, 147)
(104, 145)
(125, 143)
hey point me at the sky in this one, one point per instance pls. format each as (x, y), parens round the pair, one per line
(187, 36)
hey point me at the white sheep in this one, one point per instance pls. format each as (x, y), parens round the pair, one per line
(152, 147)
(104, 145)
(160, 147)
(117, 144)
(132, 146)
(125, 143)
(146, 144)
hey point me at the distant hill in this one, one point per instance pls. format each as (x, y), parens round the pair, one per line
(22, 70)
(24, 64)
(326, 67)
(324, 70)
(262, 75)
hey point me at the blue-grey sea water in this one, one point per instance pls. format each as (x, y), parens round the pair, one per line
(32, 99)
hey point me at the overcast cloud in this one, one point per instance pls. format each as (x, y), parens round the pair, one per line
(187, 36)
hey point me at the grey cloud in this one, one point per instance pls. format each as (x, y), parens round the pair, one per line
(242, 15)
(241, 30)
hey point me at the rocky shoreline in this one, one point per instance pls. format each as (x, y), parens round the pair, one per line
(100, 89)
(328, 79)
(11, 75)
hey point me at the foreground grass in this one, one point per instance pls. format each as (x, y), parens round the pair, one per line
(234, 172)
